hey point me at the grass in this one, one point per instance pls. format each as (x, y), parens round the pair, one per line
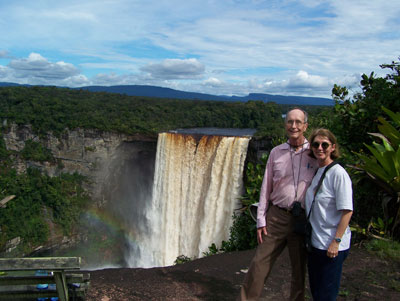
(386, 249)
(394, 284)
(343, 293)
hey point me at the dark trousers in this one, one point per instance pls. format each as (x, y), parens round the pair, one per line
(280, 234)
(324, 274)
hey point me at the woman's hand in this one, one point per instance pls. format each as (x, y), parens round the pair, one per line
(333, 249)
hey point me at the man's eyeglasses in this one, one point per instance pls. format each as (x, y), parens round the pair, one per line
(296, 122)
(324, 145)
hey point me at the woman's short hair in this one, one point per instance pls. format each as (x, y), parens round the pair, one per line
(331, 137)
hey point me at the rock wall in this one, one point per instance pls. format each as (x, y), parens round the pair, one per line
(120, 170)
(96, 154)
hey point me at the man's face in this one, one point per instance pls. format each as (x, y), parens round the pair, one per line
(295, 125)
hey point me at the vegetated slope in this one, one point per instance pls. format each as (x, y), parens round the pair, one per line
(54, 109)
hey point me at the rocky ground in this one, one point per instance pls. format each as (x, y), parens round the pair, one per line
(218, 277)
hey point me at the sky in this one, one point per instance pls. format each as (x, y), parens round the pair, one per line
(221, 47)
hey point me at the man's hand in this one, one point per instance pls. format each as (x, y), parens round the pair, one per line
(260, 232)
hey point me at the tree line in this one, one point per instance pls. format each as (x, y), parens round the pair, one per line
(55, 109)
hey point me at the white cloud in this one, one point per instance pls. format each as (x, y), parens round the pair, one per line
(36, 66)
(112, 79)
(75, 81)
(175, 69)
(301, 83)
(303, 79)
(349, 80)
(213, 82)
(37, 70)
(292, 46)
(3, 73)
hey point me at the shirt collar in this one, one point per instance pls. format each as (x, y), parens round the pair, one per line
(305, 146)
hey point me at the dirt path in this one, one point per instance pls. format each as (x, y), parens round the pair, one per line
(218, 277)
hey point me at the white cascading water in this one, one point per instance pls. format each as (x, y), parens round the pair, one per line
(197, 185)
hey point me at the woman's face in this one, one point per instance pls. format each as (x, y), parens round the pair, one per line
(322, 148)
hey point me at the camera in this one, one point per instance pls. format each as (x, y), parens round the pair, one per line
(296, 209)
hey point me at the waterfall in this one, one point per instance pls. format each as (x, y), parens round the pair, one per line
(197, 185)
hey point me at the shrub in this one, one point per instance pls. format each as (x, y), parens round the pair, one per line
(35, 151)
(182, 259)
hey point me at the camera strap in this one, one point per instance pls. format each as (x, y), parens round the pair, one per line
(296, 184)
(319, 185)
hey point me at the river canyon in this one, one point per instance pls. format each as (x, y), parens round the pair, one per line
(153, 199)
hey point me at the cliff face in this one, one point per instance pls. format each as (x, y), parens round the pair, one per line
(101, 156)
(119, 169)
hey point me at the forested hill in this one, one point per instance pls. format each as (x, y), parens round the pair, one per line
(154, 91)
(54, 109)
(160, 92)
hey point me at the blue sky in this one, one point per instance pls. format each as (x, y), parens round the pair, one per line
(228, 47)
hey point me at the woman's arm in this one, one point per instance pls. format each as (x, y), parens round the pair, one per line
(333, 249)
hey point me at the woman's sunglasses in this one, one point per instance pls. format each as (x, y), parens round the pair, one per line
(324, 145)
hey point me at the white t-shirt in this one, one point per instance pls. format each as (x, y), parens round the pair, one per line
(335, 194)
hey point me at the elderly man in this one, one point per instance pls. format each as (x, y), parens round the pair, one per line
(288, 174)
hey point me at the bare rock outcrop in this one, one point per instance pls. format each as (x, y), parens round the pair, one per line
(93, 153)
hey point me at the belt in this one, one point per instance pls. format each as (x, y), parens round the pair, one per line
(284, 209)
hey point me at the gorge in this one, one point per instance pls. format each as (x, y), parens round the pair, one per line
(161, 199)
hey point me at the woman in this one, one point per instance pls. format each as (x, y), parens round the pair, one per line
(330, 217)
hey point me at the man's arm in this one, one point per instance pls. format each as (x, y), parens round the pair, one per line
(265, 192)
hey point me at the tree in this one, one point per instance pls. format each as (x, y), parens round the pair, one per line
(352, 121)
(383, 166)
(355, 118)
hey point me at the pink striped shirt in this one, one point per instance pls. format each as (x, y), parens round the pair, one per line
(282, 178)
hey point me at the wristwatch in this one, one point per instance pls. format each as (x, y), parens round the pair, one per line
(338, 240)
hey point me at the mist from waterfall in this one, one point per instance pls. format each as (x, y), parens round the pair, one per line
(196, 188)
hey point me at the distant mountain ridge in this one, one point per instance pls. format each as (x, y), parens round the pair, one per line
(161, 92)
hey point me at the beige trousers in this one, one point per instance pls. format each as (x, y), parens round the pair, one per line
(279, 235)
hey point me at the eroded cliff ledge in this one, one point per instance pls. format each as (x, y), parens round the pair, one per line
(101, 156)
